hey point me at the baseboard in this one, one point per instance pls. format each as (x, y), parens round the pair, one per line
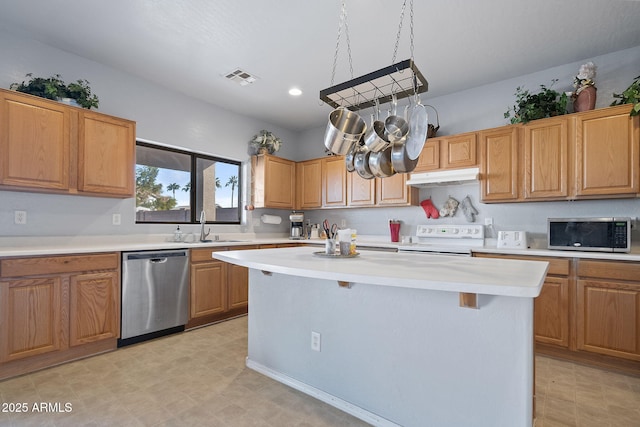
(325, 397)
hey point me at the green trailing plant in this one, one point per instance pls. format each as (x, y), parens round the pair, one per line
(532, 106)
(55, 88)
(631, 95)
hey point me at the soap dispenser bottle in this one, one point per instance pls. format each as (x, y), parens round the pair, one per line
(177, 235)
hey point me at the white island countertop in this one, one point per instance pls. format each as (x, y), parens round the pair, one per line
(409, 270)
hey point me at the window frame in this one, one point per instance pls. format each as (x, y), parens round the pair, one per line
(194, 217)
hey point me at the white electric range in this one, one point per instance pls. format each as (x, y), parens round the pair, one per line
(445, 239)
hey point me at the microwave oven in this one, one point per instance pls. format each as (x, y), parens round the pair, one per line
(589, 234)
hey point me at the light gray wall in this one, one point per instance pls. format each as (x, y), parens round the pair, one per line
(170, 118)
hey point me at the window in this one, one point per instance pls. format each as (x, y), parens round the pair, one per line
(170, 182)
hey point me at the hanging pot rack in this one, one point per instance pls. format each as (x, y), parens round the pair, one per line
(403, 79)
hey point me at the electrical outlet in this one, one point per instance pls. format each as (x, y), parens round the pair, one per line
(20, 217)
(315, 341)
(116, 219)
(488, 221)
(343, 223)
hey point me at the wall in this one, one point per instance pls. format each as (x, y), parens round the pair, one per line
(162, 116)
(167, 117)
(483, 108)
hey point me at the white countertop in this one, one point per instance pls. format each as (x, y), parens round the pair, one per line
(410, 270)
(60, 245)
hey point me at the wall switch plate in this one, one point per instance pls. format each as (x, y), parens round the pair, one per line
(116, 219)
(20, 217)
(315, 341)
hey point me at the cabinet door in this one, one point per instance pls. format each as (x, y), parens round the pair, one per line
(551, 310)
(546, 159)
(106, 155)
(458, 151)
(607, 156)
(334, 182)
(208, 289)
(608, 318)
(499, 164)
(309, 182)
(35, 140)
(31, 317)
(360, 191)
(93, 310)
(429, 156)
(238, 286)
(394, 191)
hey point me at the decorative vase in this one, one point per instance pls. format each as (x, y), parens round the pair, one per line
(586, 100)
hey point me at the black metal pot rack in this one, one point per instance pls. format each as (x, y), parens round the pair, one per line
(402, 79)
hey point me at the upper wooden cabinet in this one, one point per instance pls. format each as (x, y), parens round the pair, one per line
(273, 182)
(499, 164)
(334, 182)
(394, 191)
(360, 191)
(35, 142)
(106, 155)
(546, 158)
(607, 152)
(309, 184)
(47, 146)
(449, 152)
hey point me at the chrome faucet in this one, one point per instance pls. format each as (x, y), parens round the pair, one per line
(203, 221)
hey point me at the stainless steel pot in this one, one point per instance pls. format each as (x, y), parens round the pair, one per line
(345, 128)
(395, 126)
(400, 158)
(350, 157)
(380, 163)
(361, 163)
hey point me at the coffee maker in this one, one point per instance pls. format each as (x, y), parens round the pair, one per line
(297, 225)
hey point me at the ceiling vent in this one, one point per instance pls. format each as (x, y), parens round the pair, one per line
(241, 77)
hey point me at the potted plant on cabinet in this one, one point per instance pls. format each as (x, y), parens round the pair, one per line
(531, 106)
(631, 95)
(55, 88)
(264, 142)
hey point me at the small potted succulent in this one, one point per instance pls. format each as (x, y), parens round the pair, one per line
(264, 142)
(55, 88)
(532, 106)
(631, 95)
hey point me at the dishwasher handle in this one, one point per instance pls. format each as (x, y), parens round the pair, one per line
(158, 260)
(155, 257)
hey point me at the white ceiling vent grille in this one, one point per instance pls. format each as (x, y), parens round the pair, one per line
(241, 77)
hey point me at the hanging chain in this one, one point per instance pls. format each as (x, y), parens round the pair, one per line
(343, 22)
(411, 26)
(395, 50)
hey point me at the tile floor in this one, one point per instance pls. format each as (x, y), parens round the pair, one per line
(172, 382)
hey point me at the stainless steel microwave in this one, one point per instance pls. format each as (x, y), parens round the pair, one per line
(589, 234)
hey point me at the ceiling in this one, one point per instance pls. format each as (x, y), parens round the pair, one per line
(190, 45)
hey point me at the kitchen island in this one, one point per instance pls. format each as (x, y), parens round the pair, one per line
(390, 337)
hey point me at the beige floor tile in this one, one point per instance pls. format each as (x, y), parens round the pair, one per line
(171, 381)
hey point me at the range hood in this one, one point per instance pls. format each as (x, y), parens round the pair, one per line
(446, 177)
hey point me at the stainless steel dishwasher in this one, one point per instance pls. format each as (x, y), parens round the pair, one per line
(155, 294)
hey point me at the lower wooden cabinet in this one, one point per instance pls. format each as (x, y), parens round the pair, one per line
(218, 290)
(551, 307)
(608, 317)
(588, 311)
(58, 308)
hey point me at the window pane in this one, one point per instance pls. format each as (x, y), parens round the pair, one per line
(218, 190)
(163, 182)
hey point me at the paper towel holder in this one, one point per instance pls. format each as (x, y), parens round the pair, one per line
(270, 219)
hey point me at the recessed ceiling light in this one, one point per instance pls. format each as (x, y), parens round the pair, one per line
(294, 91)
